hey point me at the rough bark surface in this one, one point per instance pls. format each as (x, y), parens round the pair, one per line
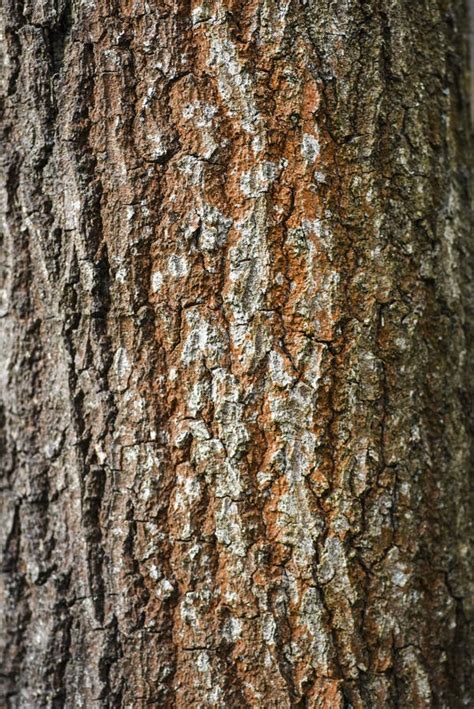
(235, 354)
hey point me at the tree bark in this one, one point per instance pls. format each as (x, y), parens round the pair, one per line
(236, 347)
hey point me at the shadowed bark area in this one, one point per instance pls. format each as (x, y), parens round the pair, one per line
(236, 352)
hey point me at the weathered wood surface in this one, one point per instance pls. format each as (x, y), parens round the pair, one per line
(235, 354)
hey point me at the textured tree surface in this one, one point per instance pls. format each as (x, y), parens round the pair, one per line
(235, 354)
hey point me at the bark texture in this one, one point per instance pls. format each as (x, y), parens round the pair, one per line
(235, 354)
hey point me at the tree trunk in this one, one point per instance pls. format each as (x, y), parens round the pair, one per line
(236, 339)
